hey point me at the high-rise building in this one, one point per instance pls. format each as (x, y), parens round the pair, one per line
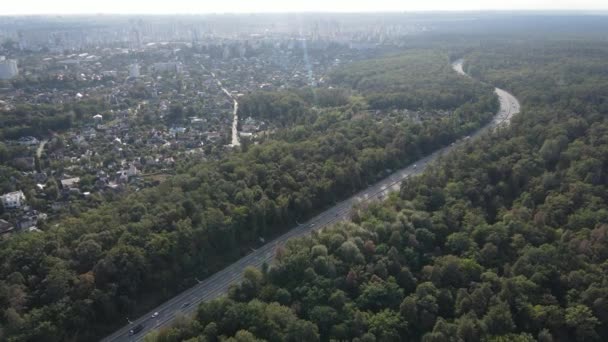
(134, 70)
(8, 68)
(135, 38)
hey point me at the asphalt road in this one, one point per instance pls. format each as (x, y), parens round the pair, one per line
(216, 285)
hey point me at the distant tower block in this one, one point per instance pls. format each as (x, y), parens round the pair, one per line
(135, 38)
(22, 40)
(8, 68)
(134, 70)
(226, 53)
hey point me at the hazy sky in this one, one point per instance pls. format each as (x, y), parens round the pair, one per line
(240, 6)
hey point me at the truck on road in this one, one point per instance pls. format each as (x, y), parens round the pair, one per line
(137, 329)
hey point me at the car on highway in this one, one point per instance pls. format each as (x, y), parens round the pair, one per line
(154, 315)
(415, 166)
(185, 305)
(137, 329)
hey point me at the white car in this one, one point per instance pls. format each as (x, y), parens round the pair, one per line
(154, 315)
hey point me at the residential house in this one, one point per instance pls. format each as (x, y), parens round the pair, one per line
(27, 141)
(70, 183)
(25, 163)
(89, 133)
(5, 227)
(125, 175)
(177, 130)
(79, 140)
(213, 136)
(13, 200)
(40, 177)
(31, 219)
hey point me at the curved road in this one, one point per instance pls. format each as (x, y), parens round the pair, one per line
(217, 284)
(509, 105)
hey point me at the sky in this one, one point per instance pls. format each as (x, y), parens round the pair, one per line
(10, 7)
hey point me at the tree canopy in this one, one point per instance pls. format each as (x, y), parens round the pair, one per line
(503, 240)
(79, 278)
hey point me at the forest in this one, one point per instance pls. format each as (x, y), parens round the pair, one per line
(81, 277)
(418, 80)
(402, 81)
(506, 239)
(44, 119)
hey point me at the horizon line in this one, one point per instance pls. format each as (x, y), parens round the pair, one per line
(443, 11)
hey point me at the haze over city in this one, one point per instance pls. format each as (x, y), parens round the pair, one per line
(266, 6)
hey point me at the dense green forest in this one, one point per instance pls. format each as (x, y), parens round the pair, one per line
(403, 81)
(421, 79)
(506, 239)
(43, 119)
(79, 279)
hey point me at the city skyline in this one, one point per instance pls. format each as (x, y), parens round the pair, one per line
(72, 7)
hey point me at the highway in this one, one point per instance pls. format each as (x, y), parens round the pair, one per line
(509, 105)
(217, 284)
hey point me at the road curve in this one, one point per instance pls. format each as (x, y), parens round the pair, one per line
(509, 105)
(217, 284)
